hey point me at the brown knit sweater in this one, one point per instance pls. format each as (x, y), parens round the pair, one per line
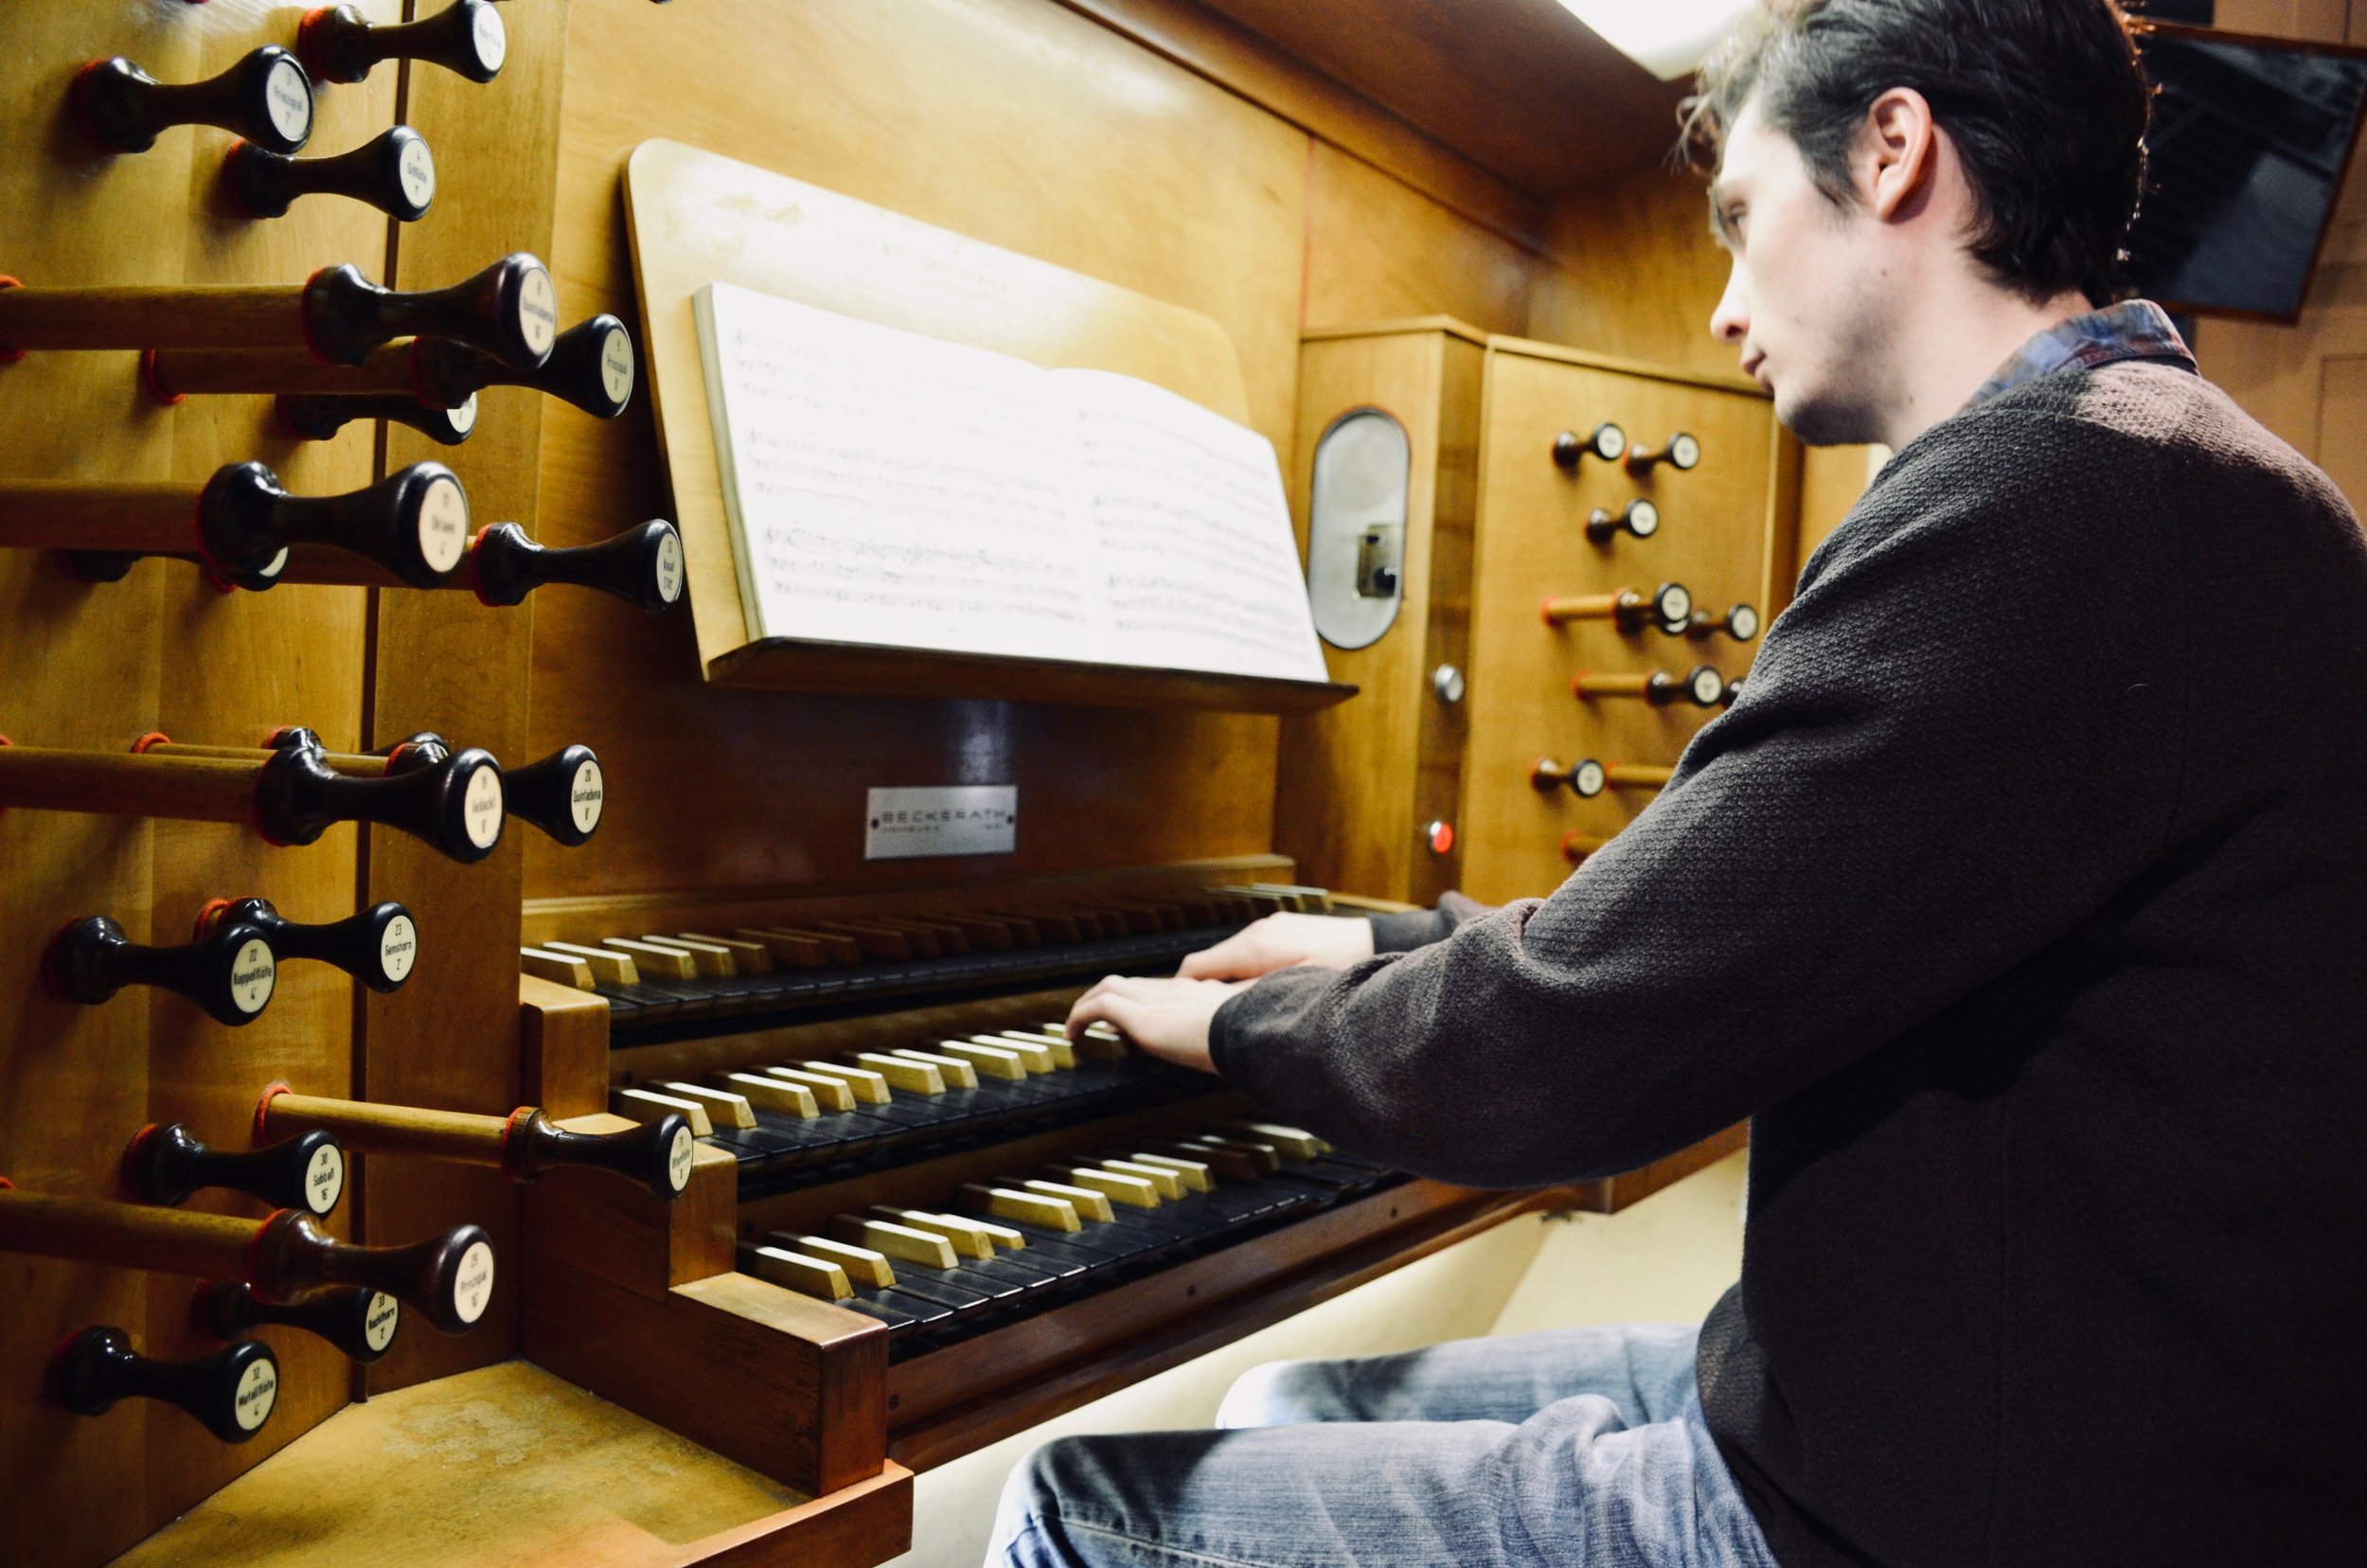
(2022, 901)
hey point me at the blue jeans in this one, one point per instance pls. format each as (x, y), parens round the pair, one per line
(1578, 1447)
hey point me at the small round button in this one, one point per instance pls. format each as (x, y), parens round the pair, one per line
(1440, 836)
(1448, 682)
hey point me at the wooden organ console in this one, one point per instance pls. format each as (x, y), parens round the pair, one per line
(736, 1174)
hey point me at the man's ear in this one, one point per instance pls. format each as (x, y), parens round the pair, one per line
(1898, 156)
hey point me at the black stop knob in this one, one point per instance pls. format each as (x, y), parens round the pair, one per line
(231, 1392)
(454, 804)
(317, 415)
(641, 566)
(165, 1165)
(591, 365)
(1740, 622)
(1679, 452)
(378, 947)
(359, 1321)
(230, 973)
(1639, 517)
(656, 1154)
(1701, 686)
(1606, 441)
(563, 794)
(448, 1278)
(265, 98)
(414, 523)
(510, 311)
(395, 173)
(337, 45)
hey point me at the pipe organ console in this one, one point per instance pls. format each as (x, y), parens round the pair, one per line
(265, 98)
(783, 1150)
(394, 172)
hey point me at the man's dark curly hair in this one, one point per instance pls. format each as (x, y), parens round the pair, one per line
(2044, 100)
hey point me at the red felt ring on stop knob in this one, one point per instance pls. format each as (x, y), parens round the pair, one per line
(9, 356)
(153, 738)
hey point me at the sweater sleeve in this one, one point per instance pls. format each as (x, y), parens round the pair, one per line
(1421, 927)
(1955, 746)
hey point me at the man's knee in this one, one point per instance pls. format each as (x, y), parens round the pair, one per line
(1025, 1521)
(1275, 1394)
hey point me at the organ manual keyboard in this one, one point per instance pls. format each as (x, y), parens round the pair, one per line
(920, 1217)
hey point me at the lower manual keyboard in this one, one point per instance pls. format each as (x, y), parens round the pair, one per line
(1019, 1245)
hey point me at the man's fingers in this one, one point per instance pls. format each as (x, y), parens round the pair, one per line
(1235, 958)
(1089, 1008)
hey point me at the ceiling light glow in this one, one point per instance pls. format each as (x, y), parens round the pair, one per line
(1667, 38)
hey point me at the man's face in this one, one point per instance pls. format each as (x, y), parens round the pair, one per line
(1805, 305)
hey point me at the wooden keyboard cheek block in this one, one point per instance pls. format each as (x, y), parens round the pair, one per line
(639, 1301)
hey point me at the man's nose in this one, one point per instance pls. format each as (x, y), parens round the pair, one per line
(1731, 322)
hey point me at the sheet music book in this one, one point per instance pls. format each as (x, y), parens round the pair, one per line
(887, 488)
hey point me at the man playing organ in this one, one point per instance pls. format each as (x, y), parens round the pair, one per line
(2018, 902)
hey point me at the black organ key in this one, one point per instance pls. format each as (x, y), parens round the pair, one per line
(338, 44)
(265, 98)
(231, 972)
(230, 1393)
(394, 172)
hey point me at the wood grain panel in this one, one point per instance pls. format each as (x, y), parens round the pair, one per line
(1018, 123)
(235, 667)
(1377, 249)
(1633, 273)
(1713, 538)
(442, 662)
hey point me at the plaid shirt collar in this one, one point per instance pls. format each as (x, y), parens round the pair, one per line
(2133, 330)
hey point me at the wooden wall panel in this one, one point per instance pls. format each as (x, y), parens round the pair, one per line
(1714, 538)
(1018, 122)
(1632, 272)
(1377, 249)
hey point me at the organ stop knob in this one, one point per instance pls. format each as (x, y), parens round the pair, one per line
(337, 44)
(1740, 622)
(231, 1393)
(166, 1164)
(1679, 452)
(378, 947)
(230, 972)
(318, 416)
(1606, 441)
(1669, 607)
(265, 98)
(1701, 687)
(359, 1321)
(1639, 517)
(394, 172)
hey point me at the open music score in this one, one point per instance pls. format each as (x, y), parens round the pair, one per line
(265, 98)
(509, 311)
(447, 1278)
(1669, 607)
(168, 1165)
(886, 487)
(231, 1392)
(357, 1320)
(338, 44)
(394, 172)
(590, 366)
(412, 524)
(290, 797)
(522, 1146)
